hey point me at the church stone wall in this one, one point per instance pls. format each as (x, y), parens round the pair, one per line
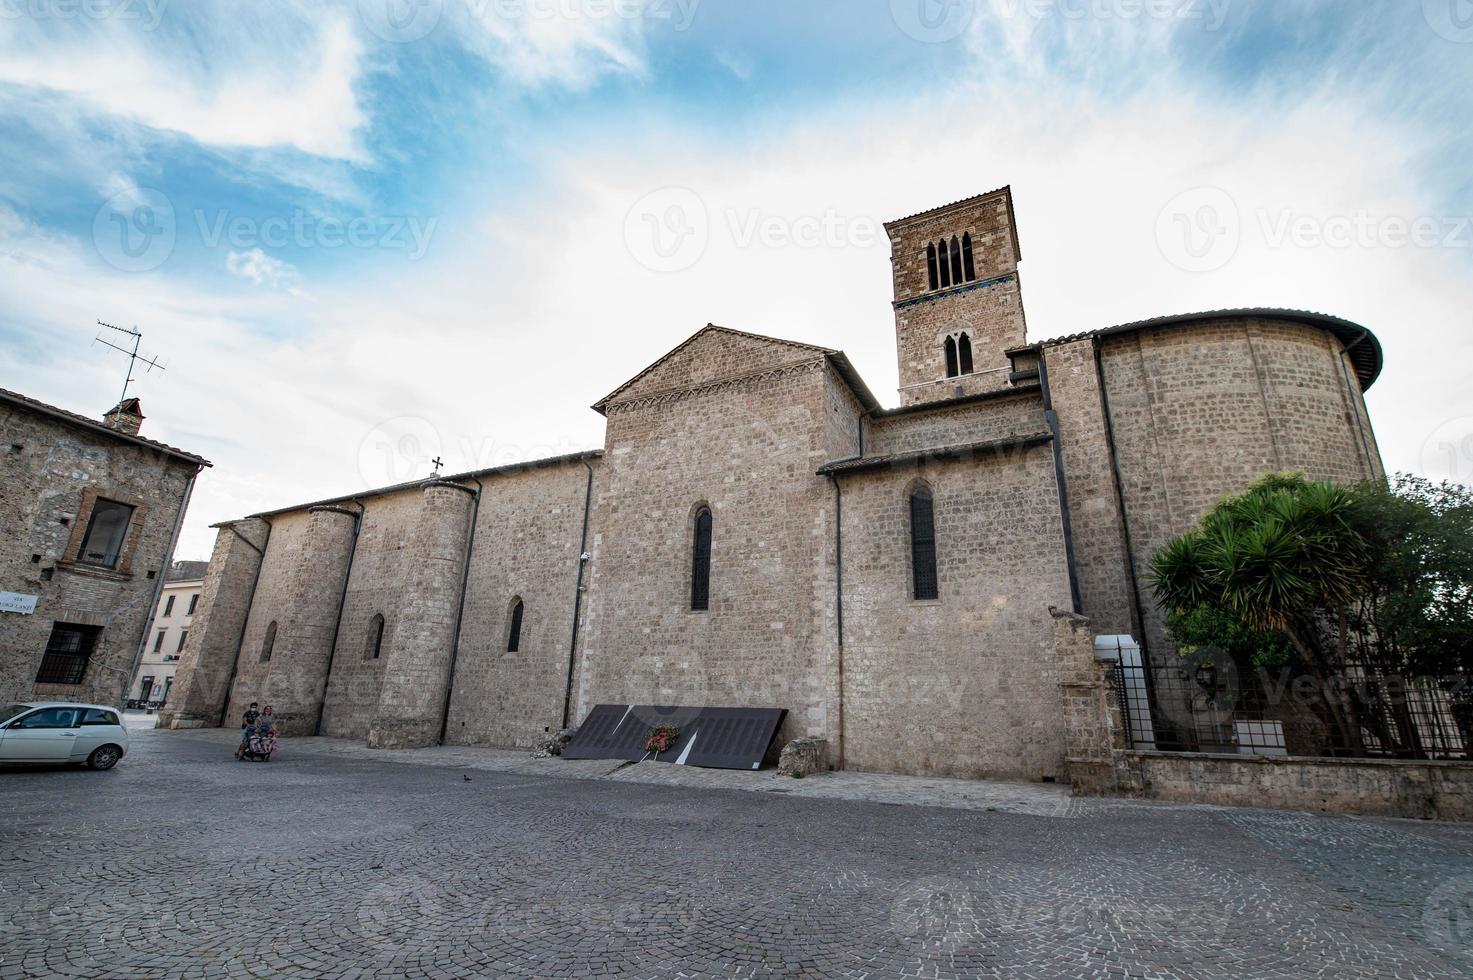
(964, 685)
(381, 563)
(749, 451)
(526, 546)
(1102, 563)
(301, 584)
(1201, 411)
(412, 705)
(1017, 413)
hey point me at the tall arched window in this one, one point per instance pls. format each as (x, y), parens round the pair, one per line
(514, 631)
(964, 353)
(951, 366)
(375, 644)
(931, 265)
(956, 260)
(268, 642)
(700, 564)
(922, 545)
(943, 266)
(969, 268)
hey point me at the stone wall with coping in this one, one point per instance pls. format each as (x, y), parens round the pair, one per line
(1366, 787)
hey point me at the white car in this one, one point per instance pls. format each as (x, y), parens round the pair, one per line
(62, 732)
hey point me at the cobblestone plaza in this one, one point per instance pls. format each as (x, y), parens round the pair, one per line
(181, 862)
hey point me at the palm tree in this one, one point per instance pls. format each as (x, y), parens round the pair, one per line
(1283, 556)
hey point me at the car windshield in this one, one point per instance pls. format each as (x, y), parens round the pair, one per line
(11, 710)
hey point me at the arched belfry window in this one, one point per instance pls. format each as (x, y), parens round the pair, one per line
(969, 268)
(700, 570)
(922, 545)
(931, 265)
(268, 642)
(964, 353)
(943, 266)
(514, 631)
(956, 260)
(951, 362)
(375, 644)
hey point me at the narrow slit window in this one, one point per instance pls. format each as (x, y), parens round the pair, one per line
(268, 643)
(700, 578)
(514, 634)
(923, 545)
(964, 353)
(375, 646)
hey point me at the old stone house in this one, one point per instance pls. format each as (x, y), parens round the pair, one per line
(758, 530)
(91, 512)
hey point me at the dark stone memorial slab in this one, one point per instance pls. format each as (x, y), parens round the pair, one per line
(716, 738)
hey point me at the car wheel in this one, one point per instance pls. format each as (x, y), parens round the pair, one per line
(104, 757)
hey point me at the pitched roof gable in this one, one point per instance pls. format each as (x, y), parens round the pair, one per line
(710, 354)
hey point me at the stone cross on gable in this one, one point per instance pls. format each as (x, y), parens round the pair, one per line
(438, 463)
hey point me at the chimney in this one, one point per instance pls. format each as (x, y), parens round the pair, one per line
(126, 416)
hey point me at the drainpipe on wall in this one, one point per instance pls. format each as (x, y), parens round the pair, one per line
(465, 578)
(338, 623)
(839, 609)
(245, 620)
(158, 589)
(1052, 418)
(578, 597)
(1139, 624)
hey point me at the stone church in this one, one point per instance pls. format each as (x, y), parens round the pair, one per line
(758, 530)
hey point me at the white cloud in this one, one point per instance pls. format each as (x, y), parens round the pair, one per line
(537, 42)
(257, 267)
(288, 88)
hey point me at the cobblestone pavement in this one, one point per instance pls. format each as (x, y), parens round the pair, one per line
(181, 862)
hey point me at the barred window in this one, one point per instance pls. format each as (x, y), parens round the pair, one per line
(514, 632)
(268, 642)
(67, 653)
(700, 576)
(923, 545)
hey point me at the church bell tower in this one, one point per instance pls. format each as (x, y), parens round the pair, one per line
(958, 303)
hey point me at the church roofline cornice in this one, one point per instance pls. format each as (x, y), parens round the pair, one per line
(961, 451)
(1362, 346)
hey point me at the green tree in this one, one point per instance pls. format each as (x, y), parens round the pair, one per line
(1321, 578)
(1283, 558)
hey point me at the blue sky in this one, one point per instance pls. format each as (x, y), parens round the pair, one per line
(370, 232)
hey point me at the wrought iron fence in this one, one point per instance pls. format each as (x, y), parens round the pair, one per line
(1208, 705)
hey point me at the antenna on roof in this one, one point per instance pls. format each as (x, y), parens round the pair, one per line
(133, 355)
